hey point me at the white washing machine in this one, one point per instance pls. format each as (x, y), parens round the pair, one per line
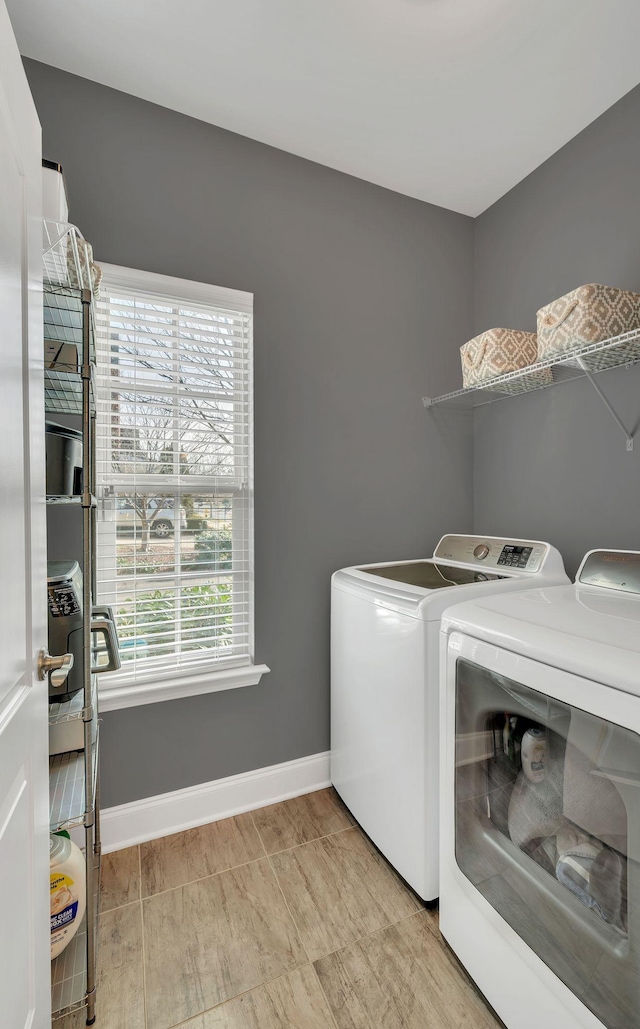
(540, 821)
(384, 684)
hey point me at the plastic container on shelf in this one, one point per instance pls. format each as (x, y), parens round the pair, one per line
(67, 891)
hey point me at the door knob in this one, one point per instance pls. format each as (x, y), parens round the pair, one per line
(56, 667)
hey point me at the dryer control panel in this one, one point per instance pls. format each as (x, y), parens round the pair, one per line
(611, 570)
(493, 552)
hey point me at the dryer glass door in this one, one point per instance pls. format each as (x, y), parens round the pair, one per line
(548, 831)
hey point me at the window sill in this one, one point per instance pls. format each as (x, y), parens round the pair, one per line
(190, 685)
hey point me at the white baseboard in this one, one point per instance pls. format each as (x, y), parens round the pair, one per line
(152, 817)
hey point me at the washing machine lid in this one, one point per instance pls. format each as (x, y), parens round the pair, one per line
(418, 588)
(462, 566)
(591, 628)
(429, 574)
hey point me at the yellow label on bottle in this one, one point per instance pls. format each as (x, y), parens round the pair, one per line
(57, 880)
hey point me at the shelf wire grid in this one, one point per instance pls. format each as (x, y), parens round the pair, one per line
(66, 724)
(64, 350)
(67, 804)
(67, 257)
(615, 352)
(67, 274)
(69, 975)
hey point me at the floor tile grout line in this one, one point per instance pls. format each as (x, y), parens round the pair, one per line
(230, 868)
(267, 982)
(316, 839)
(243, 864)
(311, 964)
(324, 994)
(381, 928)
(118, 907)
(202, 878)
(253, 822)
(257, 986)
(244, 993)
(268, 857)
(144, 951)
(387, 925)
(286, 904)
(308, 961)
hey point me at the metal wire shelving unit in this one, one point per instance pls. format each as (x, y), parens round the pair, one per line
(69, 360)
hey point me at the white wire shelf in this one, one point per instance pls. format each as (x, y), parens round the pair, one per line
(60, 501)
(62, 392)
(66, 725)
(615, 352)
(67, 257)
(67, 805)
(583, 362)
(69, 975)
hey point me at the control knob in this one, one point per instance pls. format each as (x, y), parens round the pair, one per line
(481, 551)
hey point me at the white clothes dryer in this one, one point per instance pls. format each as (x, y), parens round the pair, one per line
(384, 684)
(540, 817)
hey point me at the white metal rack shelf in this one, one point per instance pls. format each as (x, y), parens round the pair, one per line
(66, 721)
(76, 501)
(69, 974)
(583, 362)
(68, 806)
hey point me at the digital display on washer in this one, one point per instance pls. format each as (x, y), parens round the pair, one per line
(515, 557)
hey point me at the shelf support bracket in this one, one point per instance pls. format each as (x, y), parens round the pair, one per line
(607, 403)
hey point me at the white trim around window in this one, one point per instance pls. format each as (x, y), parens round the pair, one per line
(174, 392)
(191, 685)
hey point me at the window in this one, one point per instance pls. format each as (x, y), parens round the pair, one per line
(174, 481)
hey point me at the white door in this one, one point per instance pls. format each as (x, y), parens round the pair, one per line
(24, 943)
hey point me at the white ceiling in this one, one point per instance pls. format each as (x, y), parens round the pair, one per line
(449, 101)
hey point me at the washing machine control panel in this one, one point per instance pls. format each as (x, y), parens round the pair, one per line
(492, 552)
(515, 557)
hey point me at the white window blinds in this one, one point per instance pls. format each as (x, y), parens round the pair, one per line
(174, 474)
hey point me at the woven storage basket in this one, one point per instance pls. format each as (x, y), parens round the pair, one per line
(587, 315)
(496, 352)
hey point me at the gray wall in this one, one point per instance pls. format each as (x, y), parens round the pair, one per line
(553, 464)
(362, 297)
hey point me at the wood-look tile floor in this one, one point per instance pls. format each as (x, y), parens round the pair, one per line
(282, 918)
